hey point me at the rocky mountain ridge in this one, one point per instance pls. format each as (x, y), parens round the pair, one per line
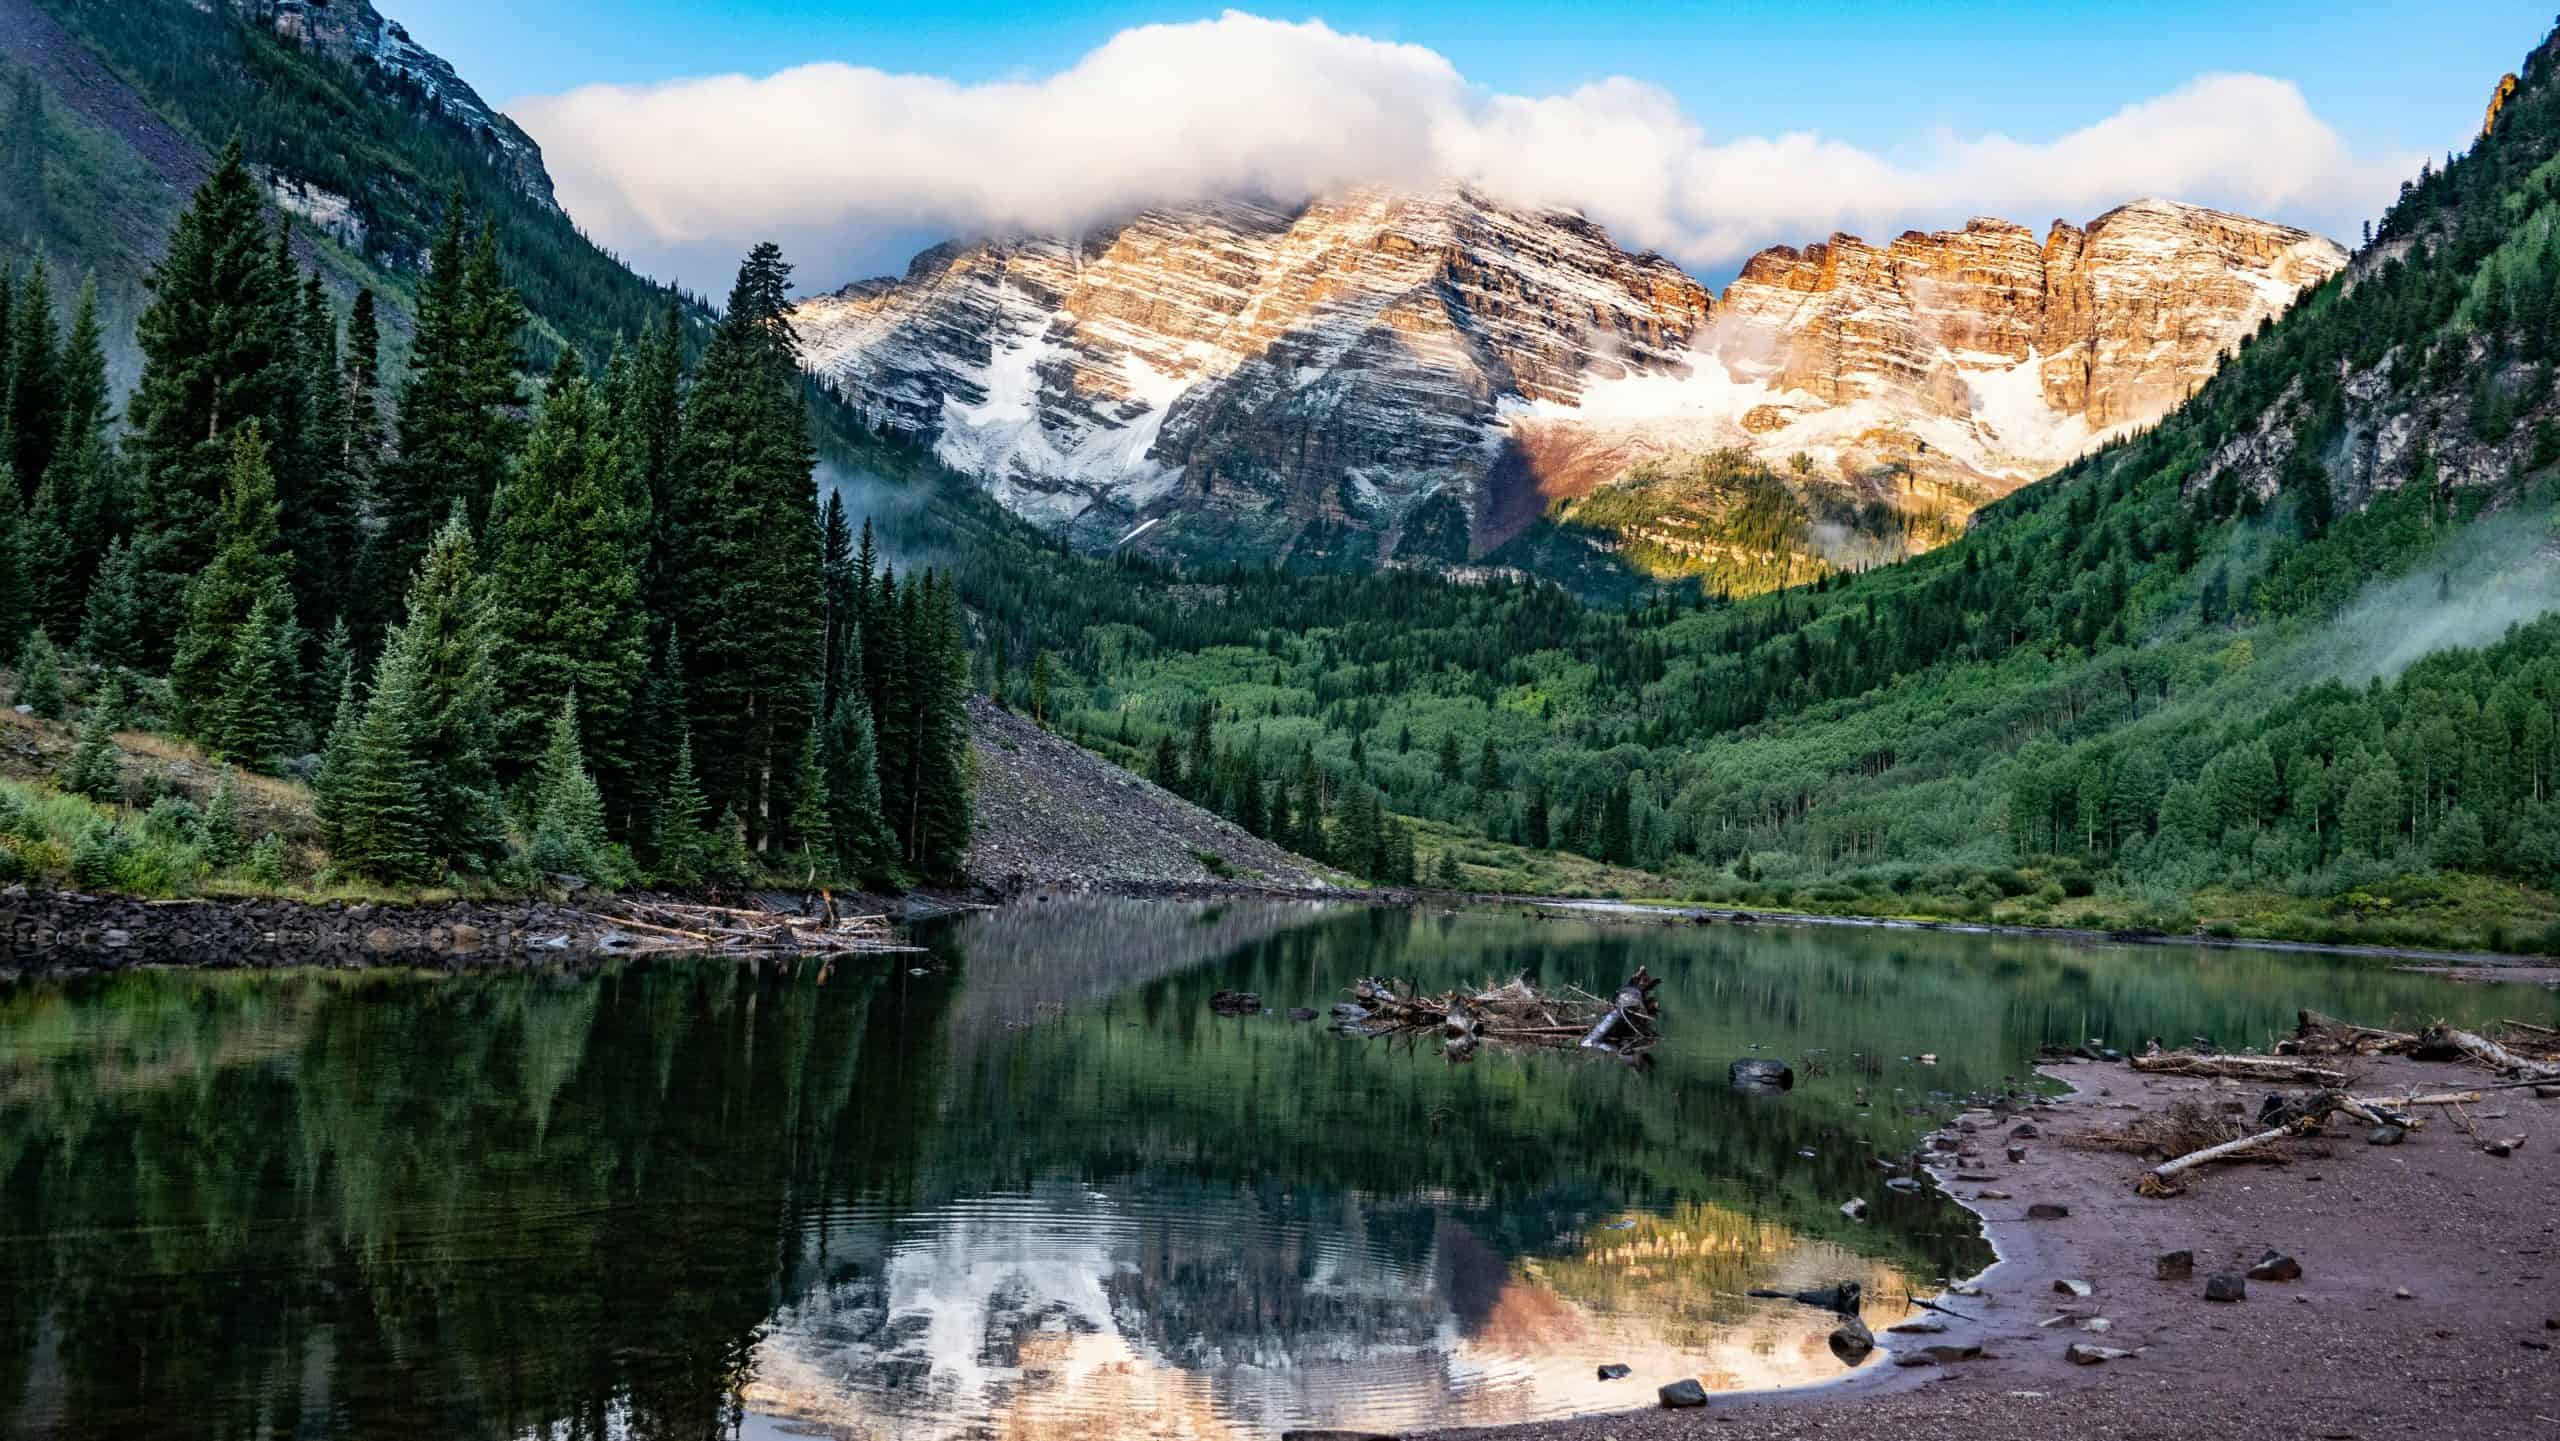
(1385, 376)
(354, 33)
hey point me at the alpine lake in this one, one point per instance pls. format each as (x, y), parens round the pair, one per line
(1025, 1185)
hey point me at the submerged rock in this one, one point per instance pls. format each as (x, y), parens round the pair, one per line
(1753, 1073)
(1235, 1003)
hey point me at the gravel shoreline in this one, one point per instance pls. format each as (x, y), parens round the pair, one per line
(2472, 1349)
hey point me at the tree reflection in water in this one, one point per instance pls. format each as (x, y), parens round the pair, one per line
(1038, 1190)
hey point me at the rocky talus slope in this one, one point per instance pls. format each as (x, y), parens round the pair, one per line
(1385, 376)
(1052, 814)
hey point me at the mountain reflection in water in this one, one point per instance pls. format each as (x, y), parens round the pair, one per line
(1039, 1191)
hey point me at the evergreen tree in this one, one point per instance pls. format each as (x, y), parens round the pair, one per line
(564, 598)
(40, 678)
(45, 549)
(252, 719)
(448, 704)
(843, 606)
(682, 843)
(377, 809)
(568, 826)
(95, 770)
(248, 568)
(458, 413)
(749, 592)
(1453, 770)
(18, 582)
(850, 757)
(215, 358)
(35, 394)
(329, 678)
(812, 815)
(223, 843)
(316, 487)
(111, 625)
(1040, 690)
(82, 375)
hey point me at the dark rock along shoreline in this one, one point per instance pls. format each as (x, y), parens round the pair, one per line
(50, 931)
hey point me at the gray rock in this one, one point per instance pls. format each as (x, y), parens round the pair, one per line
(1852, 1342)
(1905, 1184)
(2080, 1353)
(1855, 1210)
(2024, 1131)
(2276, 1266)
(2047, 1211)
(1908, 1359)
(1919, 1326)
(2174, 1265)
(2017, 1154)
(2386, 1136)
(1613, 1372)
(1987, 1194)
(2074, 1288)
(2226, 1287)
(1682, 1395)
(1948, 1353)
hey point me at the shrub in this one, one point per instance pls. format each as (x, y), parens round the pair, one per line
(98, 857)
(266, 862)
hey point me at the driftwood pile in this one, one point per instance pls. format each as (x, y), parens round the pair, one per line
(1514, 1013)
(663, 926)
(2521, 1053)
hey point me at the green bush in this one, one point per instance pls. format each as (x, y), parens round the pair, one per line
(98, 857)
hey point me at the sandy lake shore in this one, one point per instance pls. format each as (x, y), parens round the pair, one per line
(2472, 1349)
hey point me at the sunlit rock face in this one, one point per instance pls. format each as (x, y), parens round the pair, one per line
(1386, 376)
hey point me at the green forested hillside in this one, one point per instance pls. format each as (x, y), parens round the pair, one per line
(2179, 683)
(93, 201)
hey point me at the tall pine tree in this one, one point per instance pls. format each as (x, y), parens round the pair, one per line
(565, 605)
(247, 570)
(748, 594)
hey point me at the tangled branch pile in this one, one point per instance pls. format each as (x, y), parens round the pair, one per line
(669, 926)
(1513, 1013)
(2511, 1048)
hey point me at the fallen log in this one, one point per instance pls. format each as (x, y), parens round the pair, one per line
(2275, 1070)
(2489, 1053)
(2318, 1034)
(2161, 1180)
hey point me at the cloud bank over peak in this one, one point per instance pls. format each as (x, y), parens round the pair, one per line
(845, 164)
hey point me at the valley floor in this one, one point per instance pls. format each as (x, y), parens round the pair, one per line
(2425, 1307)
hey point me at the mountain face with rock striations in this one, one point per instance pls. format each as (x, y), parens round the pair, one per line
(1385, 377)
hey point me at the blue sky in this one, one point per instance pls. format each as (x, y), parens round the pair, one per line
(1889, 79)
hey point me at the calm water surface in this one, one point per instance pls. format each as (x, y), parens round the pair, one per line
(1038, 1190)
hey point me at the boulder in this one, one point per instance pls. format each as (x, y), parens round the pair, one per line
(2174, 1265)
(2386, 1136)
(2226, 1287)
(1852, 1342)
(2074, 1288)
(2047, 1211)
(1614, 1372)
(1682, 1395)
(2080, 1353)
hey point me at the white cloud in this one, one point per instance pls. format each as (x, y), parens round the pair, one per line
(838, 161)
